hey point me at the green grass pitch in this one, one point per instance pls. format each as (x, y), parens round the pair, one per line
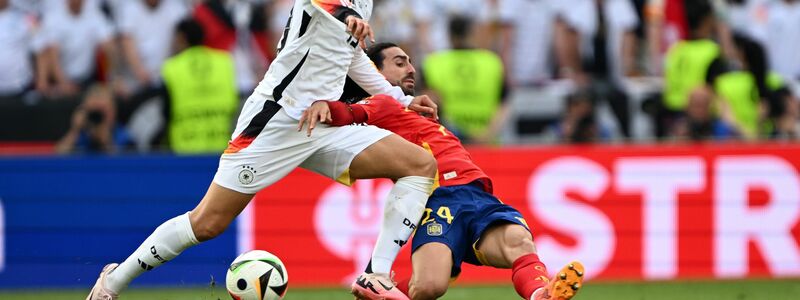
(685, 290)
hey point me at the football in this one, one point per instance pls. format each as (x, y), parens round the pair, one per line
(257, 275)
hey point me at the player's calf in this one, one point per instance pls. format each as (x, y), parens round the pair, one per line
(216, 211)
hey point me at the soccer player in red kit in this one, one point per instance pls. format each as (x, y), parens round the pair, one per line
(462, 221)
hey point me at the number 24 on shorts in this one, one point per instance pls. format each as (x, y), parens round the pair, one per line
(443, 212)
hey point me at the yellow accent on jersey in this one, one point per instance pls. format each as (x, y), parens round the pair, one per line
(427, 147)
(443, 130)
(479, 255)
(523, 222)
(345, 179)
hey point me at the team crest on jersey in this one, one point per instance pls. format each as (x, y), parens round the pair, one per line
(246, 175)
(434, 229)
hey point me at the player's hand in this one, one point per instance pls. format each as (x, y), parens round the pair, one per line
(425, 106)
(360, 30)
(317, 112)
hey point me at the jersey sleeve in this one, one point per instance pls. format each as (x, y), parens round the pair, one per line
(339, 9)
(103, 29)
(508, 10)
(379, 108)
(372, 111)
(366, 75)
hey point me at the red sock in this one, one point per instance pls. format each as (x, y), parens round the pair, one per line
(528, 274)
(402, 285)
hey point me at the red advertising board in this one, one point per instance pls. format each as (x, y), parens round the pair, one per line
(627, 212)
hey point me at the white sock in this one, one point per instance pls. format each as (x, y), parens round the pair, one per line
(164, 244)
(401, 215)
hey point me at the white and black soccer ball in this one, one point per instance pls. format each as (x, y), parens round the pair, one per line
(257, 275)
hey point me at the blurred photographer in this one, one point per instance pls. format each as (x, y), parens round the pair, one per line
(578, 124)
(94, 128)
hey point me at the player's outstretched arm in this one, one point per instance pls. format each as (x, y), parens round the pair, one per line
(371, 111)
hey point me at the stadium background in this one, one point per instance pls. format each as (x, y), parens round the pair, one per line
(668, 217)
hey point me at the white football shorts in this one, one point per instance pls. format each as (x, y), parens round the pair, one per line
(266, 146)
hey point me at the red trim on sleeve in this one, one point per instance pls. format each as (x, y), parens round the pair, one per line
(345, 114)
(341, 114)
(359, 113)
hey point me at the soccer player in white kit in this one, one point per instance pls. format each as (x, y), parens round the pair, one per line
(318, 50)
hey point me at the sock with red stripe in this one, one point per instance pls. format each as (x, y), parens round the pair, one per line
(528, 274)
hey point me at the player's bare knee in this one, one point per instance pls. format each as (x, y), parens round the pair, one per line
(206, 230)
(422, 164)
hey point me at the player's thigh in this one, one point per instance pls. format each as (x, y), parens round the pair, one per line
(392, 157)
(338, 147)
(276, 150)
(360, 152)
(251, 166)
(501, 244)
(432, 266)
(240, 176)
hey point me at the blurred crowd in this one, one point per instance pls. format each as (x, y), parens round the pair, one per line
(155, 74)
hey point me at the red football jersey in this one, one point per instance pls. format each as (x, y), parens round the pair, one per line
(454, 162)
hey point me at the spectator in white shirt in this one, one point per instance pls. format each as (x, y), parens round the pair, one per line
(595, 42)
(16, 34)
(748, 17)
(67, 48)
(583, 27)
(527, 31)
(146, 33)
(433, 17)
(783, 38)
(45, 7)
(393, 20)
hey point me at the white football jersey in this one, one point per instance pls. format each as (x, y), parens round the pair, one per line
(316, 54)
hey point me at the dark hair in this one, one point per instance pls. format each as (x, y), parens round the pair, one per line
(352, 92)
(192, 31)
(375, 53)
(756, 61)
(459, 26)
(777, 102)
(696, 12)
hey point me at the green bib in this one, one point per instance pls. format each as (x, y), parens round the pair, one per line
(739, 89)
(470, 84)
(203, 100)
(687, 65)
